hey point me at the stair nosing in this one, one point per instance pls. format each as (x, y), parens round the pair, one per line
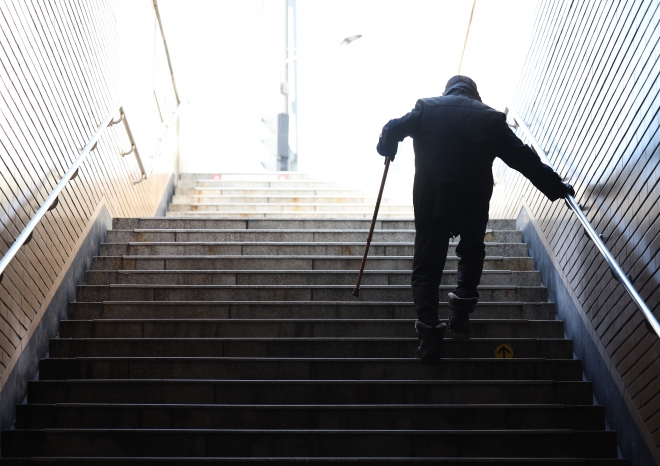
(322, 303)
(338, 287)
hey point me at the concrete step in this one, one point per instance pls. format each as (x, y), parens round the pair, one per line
(289, 207)
(281, 262)
(316, 347)
(292, 277)
(279, 184)
(280, 235)
(558, 443)
(281, 223)
(308, 368)
(390, 416)
(185, 461)
(400, 293)
(274, 199)
(293, 310)
(295, 328)
(256, 183)
(288, 249)
(293, 392)
(244, 176)
(331, 192)
(335, 214)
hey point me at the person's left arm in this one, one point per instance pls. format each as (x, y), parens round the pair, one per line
(397, 130)
(507, 146)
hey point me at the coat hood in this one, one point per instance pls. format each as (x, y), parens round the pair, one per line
(462, 85)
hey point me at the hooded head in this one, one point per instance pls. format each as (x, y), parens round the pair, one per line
(462, 85)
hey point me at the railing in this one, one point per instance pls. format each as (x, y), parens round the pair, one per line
(616, 269)
(52, 200)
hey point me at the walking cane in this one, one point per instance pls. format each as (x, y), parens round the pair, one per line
(356, 290)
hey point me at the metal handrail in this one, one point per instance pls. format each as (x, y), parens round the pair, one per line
(616, 269)
(52, 200)
(167, 51)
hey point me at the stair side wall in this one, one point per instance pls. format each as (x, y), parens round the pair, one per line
(24, 364)
(67, 65)
(589, 92)
(622, 416)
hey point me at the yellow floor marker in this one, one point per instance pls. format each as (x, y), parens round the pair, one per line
(503, 351)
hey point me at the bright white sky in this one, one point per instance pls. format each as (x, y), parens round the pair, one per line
(226, 56)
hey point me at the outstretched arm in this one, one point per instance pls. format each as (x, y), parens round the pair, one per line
(396, 130)
(522, 158)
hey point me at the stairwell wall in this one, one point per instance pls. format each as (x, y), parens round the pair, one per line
(590, 94)
(63, 67)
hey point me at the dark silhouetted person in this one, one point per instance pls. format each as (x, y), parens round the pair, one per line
(456, 138)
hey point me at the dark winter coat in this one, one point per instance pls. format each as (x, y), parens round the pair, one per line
(456, 139)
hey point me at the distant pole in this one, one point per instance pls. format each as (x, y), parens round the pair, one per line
(293, 162)
(284, 151)
(285, 77)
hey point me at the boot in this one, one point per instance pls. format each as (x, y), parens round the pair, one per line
(459, 315)
(430, 340)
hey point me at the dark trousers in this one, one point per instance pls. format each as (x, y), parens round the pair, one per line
(431, 244)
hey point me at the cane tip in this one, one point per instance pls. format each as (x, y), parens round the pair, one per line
(356, 292)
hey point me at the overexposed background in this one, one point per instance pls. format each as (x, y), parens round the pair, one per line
(227, 57)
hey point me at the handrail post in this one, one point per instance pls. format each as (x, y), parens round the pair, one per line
(134, 149)
(616, 269)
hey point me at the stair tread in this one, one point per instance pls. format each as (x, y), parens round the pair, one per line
(323, 459)
(411, 381)
(291, 271)
(282, 256)
(295, 204)
(294, 339)
(279, 230)
(331, 431)
(288, 243)
(396, 287)
(324, 406)
(320, 303)
(310, 320)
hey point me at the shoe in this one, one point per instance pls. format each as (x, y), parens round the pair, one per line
(459, 315)
(430, 340)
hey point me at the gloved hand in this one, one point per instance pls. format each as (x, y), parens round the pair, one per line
(384, 150)
(569, 190)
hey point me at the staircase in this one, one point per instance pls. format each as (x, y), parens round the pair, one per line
(230, 337)
(280, 195)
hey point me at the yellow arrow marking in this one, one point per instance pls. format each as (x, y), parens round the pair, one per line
(503, 351)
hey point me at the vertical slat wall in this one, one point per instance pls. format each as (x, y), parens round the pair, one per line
(60, 74)
(590, 94)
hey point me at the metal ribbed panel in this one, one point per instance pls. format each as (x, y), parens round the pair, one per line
(589, 92)
(60, 74)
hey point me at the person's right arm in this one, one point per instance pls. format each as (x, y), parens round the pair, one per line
(397, 130)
